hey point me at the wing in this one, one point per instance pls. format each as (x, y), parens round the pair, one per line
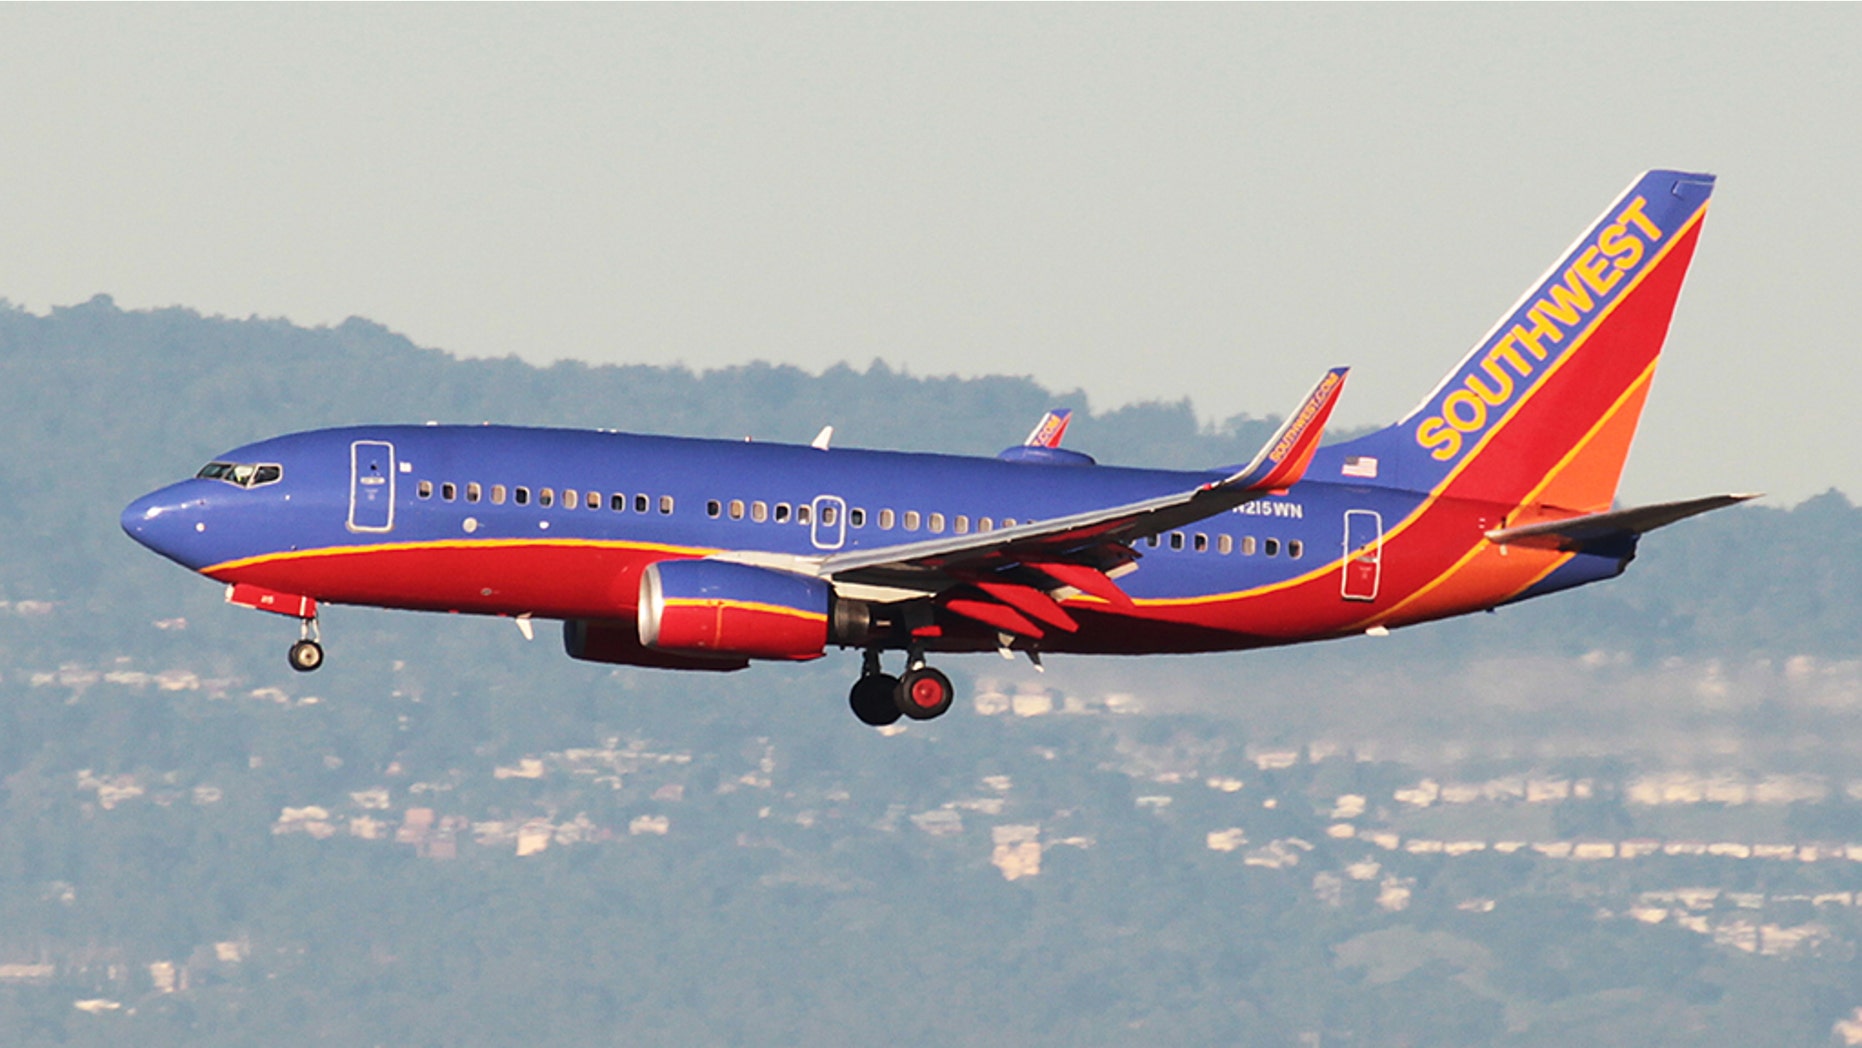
(1082, 550)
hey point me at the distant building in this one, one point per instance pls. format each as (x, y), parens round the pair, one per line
(939, 822)
(1226, 840)
(1348, 806)
(655, 825)
(1848, 1030)
(1017, 851)
(1031, 703)
(1274, 760)
(533, 837)
(1393, 895)
(97, 1005)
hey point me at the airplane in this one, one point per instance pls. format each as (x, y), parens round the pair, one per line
(694, 554)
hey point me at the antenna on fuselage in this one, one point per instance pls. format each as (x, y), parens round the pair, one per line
(820, 443)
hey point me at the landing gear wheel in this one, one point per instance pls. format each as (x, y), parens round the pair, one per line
(306, 655)
(924, 693)
(872, 699)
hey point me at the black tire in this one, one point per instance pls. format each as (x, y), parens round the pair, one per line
(872, 699)
(306, 655)
(924, 694)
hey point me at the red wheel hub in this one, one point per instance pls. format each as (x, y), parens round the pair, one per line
(927, 693)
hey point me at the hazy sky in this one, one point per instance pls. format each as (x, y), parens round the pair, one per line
(1141, 202)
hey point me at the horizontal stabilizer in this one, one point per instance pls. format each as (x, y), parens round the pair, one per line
(1574, 532)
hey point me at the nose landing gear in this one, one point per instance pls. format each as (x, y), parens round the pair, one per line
(878, 698)
(307, 653)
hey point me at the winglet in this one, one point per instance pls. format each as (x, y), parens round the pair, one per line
(1283, 460)
(1049, 431)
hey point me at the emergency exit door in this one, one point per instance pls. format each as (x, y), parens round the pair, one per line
(1364, 554)
(371, 486)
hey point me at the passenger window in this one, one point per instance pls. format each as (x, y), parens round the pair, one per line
(1202, 543)
(497, 494)
(571, 498)
(856, 518)
(473, 491)
(803, 513)
(935, 524)
(449, 491)
(911, 520)
(782, 513)
(594, 500)
(828, 516)
(886, 518)
(960, 524)
(521, 496)
(985, 524)
(1225, 545)
(1296, 549)
(759, 511)
(737, 509)
(1271, 547)
(426, 489)
(713, 509)
(1008, 522)
(1247, 546)
(640, 503)
(1176, 540)
(1151, 541)
(546, 497)
(665, 505)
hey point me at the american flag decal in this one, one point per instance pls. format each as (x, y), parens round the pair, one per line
(1360, 466)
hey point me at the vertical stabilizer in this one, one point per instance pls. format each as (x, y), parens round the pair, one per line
(1544, 407)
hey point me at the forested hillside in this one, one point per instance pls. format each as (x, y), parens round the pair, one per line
(1630, 814)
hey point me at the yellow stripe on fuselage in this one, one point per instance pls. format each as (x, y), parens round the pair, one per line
(460, 544)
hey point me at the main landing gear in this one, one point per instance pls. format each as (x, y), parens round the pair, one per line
(879, 698)
(307, 653)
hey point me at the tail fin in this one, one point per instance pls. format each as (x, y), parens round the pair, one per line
(1544, 407)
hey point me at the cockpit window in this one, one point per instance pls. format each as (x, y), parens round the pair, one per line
(243, 474)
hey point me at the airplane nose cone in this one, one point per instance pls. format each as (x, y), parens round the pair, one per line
(165, 522)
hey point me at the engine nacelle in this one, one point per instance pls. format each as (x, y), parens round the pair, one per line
(618, 643)
(716, 608)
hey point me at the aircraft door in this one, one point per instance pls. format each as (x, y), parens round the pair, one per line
(371, 486)
(829, 527)
(1364, 554)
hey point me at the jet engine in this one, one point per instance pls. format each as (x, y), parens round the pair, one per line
(717, 608)
(618, 643)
